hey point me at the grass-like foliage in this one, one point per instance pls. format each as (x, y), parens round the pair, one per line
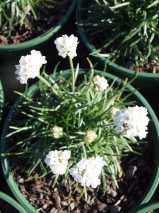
(18, 12)
(76, 113)
(126, 29)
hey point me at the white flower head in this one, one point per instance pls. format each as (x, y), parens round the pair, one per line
(99, 83)
(66, 46)
(29, 66)
(58, 161)
(87, 171)
(57, 132)
(132, 122)
(90, 136)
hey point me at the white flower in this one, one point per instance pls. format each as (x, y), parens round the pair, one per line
(58, 161)
(90, 136)
(29, 66)
(132, 121)
(87, 171)
(67, 46)
(57, 132)
(99, 83)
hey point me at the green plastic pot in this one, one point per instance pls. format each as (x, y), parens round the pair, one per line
(149, 207)
(153, 127)
(145, 81)
(12, 202)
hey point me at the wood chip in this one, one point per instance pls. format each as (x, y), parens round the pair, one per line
(154, 69)
(3, 39)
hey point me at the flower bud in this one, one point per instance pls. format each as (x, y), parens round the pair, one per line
(99, 83)
(90, 136)
(57, 132)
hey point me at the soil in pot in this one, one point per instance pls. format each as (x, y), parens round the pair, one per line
(132, 185)
(47, 16)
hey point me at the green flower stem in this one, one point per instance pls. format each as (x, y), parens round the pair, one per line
(119, 96)
(92, 70)
(80, 197)
(73, 74)
(84, 151)
(75, 188)
(104, 182)
(55, 180)
(47, 83)
(31, 178)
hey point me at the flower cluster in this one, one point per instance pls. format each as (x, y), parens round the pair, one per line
(99, 83)
(87, 171)
(58, 161)
(132, 121)
(29, 66)
(57, 132)
(66, 46)
(90, 136)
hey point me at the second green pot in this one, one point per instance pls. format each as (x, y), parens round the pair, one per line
(145, 81)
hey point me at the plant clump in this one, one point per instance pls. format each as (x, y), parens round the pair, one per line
(71, 128)
(127, 31)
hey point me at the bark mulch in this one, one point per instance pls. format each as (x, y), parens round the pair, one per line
(137, 170)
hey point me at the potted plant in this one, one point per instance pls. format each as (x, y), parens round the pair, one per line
(123, 35)
(10, 202)
(70, 131)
